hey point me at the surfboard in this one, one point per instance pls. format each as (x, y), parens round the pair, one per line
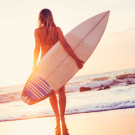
(57, 67)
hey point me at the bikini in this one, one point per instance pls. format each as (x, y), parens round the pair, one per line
(45, 38)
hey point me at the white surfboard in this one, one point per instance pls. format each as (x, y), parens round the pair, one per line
(57, 67)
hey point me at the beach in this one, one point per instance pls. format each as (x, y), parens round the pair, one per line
(114, 122)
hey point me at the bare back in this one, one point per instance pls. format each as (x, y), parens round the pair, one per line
(47, 43)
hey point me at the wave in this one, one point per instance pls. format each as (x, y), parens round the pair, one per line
(83, 109)
(125, 75)
(10, 97)
(100, 83)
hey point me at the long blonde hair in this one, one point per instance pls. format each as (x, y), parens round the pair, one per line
(45, 18)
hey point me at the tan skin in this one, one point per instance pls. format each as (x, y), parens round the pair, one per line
(44, 49)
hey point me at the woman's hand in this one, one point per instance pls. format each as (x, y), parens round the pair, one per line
(34, 69)
(79, 63)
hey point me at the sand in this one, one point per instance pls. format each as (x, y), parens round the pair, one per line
(114, 122)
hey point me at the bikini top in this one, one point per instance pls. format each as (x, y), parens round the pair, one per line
(45, 38)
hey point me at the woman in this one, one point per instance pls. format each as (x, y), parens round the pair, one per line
(46, 35)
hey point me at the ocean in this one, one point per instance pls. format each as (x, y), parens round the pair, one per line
(107, 91)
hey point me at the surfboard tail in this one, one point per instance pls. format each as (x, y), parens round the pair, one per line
(35, 90)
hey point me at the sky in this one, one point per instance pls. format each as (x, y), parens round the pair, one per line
(18, 20)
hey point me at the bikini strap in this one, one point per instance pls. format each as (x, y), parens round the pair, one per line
(54, 34)
(38, 35)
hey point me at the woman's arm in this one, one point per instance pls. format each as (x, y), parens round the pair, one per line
(36, 49)
(69, 49)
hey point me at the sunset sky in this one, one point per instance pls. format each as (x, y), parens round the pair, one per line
(18, 20)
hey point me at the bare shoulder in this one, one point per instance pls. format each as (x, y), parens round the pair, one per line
(36, 31)
(58, 29)
(36, 34)
(59, 32)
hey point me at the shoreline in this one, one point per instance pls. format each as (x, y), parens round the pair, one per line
(69, 114)
(114, 122)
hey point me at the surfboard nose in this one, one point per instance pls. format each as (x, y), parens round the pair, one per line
(108, 12)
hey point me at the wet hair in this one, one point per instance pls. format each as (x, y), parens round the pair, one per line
(45, 18)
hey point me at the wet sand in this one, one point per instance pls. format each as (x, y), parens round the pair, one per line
(114, 122)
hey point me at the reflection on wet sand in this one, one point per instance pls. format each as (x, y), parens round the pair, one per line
(64, 128)
(57, 130)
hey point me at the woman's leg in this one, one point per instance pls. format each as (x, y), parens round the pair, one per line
(54, 104)
(62, 101)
